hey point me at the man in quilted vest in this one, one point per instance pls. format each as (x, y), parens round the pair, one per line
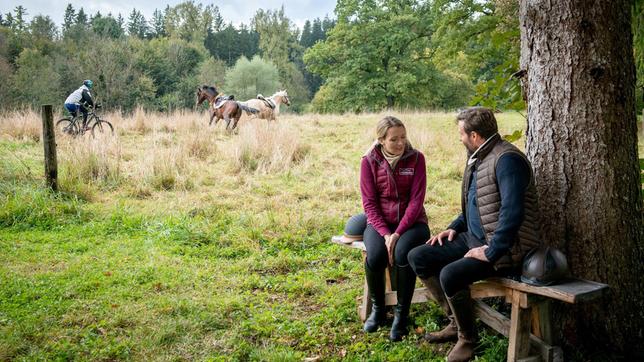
(498, 224)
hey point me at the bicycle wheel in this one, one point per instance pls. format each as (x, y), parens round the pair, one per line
(102, 126)
(66, 126)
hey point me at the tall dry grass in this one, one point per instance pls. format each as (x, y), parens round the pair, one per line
(87, 163)
(143, 122)
(21, 125)
(165, 166)
(200, 145)
(307, 160)
(266, 147)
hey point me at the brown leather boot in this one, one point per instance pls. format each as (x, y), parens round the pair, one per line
(461, 305)
(449, 333)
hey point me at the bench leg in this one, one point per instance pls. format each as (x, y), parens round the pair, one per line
(542, 328)
(519, 335)
(541, 321)
(365, 308)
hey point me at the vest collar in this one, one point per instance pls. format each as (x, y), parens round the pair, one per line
(483, 149)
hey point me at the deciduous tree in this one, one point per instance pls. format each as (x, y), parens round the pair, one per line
(249, 78)
(35, 81)
(377, 55)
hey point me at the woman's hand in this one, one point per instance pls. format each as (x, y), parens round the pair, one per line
(449, 233)
(390, 242)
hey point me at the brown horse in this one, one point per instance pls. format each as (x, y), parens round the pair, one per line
(228, 109)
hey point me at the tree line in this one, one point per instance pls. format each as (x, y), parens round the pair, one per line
(373, 55)
(156, 63)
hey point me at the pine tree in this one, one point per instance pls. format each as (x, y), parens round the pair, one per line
(305, 39)
(8, 20)
(106, 26)
(225, 44)
(69, 18)
(316, 31)
(137, 25)
(157, 27)
(19, 24)
(120, 20)
(217, 20)
(327, 24)
(81, 18)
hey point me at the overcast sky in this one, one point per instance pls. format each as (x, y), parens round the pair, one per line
(235, 11)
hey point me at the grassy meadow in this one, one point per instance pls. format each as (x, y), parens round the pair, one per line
(172, 240)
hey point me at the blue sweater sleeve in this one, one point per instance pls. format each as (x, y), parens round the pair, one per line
(458, 224)
(513, 177)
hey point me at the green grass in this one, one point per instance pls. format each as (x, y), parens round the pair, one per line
(236, 267)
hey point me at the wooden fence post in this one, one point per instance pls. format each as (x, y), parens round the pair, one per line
(49, 142)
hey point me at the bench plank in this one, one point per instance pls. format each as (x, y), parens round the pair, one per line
(487, 290)
(570, 291)
(355, 245)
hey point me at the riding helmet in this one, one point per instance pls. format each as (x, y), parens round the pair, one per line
(354, 228)
(88, 83)
(543, 266)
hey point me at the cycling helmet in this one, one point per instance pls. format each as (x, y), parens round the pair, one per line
(544, 266)
(88, 83)
(354, 228)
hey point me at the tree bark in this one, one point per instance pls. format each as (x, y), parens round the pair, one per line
(391, 101)
(582, 141)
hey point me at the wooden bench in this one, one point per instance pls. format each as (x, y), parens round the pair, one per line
(531, 338)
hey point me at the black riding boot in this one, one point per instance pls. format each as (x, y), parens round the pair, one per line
(406, 281)
(376, 283)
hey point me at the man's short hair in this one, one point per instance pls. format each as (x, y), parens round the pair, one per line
(478, 119)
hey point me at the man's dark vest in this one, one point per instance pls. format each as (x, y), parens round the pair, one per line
(488, 201)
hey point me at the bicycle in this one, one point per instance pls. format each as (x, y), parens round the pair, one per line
(72, 125)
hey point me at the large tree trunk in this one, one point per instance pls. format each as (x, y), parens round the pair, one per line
(582, 140)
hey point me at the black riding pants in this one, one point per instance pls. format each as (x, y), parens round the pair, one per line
(377, 256)
(455, 272)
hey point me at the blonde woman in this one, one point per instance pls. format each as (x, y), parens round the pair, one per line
(392, 184)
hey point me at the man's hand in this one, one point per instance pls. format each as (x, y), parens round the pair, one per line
(449, 233)
(390, 242)
(477, 253)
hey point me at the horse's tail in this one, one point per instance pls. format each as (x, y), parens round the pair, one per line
(247, 109)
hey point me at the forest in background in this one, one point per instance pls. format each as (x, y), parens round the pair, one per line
(372, 55)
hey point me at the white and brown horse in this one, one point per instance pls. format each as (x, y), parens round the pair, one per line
(269, 108)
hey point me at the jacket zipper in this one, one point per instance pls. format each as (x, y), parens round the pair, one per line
(391, 173)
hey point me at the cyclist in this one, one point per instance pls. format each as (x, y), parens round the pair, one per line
(80, 99)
